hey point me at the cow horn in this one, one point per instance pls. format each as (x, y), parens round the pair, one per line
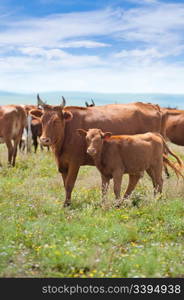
(86, 104)
(63, 102)
(93, 102)
(39, 101)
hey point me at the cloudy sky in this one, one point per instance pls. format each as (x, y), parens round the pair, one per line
(130, 46)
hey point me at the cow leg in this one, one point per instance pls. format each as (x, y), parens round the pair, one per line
(133, 180)
(16, 142)
(69, 183)
(105, 185)
(64, 175)
(10, 150)
(35, 143)
(156, 176)
(117, 179)
(166, 172)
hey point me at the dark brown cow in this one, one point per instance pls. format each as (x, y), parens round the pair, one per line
(12, 123)
(35, 127)
(127, 154)
(59, 126)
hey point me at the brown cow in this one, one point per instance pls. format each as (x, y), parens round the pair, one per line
(12, 123)
(35, 128)
(127, 154)
(174, 127)
(59, 126)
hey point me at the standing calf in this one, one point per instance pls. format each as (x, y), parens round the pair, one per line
(128, 154)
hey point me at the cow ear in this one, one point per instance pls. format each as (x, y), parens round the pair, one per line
(82, 132)
(67, 115)
(106, 135)
(36, 113)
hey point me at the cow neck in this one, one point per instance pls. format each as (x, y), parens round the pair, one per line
(58, 146)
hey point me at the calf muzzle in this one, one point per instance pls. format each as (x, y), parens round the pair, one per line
(45, 141)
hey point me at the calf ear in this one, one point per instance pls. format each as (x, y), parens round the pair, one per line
(67, 115)
(82, 132)
(106, 135)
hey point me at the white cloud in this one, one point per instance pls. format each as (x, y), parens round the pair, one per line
(151, 53)
(54, 29)
(84, 44)
(38, 57)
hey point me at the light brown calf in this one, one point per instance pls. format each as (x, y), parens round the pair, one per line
(128, 154)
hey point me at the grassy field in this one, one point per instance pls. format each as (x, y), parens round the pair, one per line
(38, 238)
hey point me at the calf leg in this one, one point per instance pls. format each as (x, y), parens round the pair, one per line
(133, 180)
(117, 178)
(69, 181)
(105, 185)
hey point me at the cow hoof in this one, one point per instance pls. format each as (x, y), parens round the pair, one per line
(117, 205)
(66, 204)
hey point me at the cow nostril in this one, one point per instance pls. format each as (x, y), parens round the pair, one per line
(91, 151)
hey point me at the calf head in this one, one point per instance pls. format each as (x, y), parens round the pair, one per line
(94, 139)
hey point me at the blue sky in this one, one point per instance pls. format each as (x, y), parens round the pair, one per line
(112, 46)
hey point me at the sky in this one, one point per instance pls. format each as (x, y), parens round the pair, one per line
(107, 46)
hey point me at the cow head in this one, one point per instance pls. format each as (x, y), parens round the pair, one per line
(53, 121)
(94, 138)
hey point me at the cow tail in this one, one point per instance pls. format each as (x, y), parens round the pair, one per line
(167, 150)
(172, 165)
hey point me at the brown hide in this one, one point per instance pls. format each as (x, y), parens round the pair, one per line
(175, 126)
(59, 131)
(131, 154)
(12, 123)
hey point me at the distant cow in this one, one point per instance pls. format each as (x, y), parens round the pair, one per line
(127, 154)
(59, 126)
(90, 105)
(12, 123)
(33, 128)
(36, 127)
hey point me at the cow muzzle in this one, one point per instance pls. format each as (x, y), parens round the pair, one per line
(91, 151)
(45, 141)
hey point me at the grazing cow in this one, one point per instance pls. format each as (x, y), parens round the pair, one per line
(90, 105)
(127, 154)
(59, 126)
(12, 123)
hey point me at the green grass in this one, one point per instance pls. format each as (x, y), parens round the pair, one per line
(39, 238)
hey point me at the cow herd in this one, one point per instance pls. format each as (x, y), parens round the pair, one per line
(117, 138)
